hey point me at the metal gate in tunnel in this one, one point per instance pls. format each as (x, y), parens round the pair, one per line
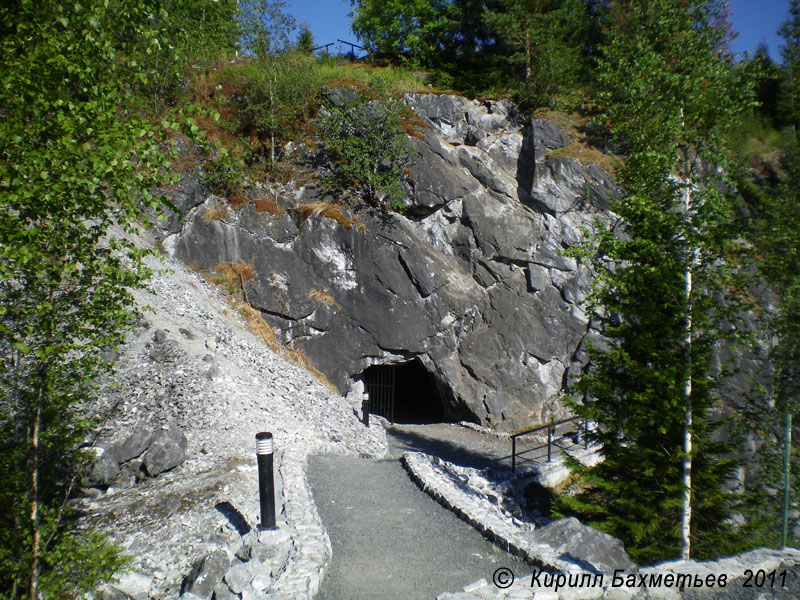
(404, 393)
(380, 388)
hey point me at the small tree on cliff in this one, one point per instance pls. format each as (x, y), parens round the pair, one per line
(371, 147)
(305, 41)
(266, 28)
(663, 288)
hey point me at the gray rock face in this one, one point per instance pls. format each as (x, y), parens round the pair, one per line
(184, 196)
(476, 289)
(578, 543)
(166, 452)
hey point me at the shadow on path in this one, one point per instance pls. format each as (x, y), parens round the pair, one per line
(392, 541)
(464, 446)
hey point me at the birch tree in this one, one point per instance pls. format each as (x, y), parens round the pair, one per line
(73, 162)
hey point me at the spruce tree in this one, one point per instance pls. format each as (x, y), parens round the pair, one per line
(778, 239)
(662, 295)
(305, 41)
(547, 43)
(790, 52)
(768, 79)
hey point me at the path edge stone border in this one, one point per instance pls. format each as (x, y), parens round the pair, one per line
(420, 468)
(417, 463)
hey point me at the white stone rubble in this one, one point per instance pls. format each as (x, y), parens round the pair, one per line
(218, 383)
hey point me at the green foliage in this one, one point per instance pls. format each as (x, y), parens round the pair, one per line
(280, 98)
(372, 149)
(277, 99)
(665, 92)
(414, 31)
(477, 46)
(447, 37)
(387, 80)
(78, 561)
(305, 41)
(754, 138)
(755, 144)
(209, 28)
(779, 239)
(547, 41)
(265, 27)
(768, 79)
(790, 52)
(776, 235)
(74, 162)
(196, 32)
(227, 173)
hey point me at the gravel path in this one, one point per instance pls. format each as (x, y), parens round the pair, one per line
(391, 540)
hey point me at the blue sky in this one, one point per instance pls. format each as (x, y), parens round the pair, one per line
(755, 20)
(328, 20)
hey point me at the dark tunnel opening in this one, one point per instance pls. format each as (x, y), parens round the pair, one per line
(404, 393)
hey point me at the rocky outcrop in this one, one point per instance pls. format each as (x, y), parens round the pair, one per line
(594, 550)
(475, 287)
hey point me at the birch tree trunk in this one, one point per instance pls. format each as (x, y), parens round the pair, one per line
(527, 54)
(33, 590)
(686, 514)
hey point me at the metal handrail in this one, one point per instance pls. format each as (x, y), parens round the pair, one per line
(550, 429)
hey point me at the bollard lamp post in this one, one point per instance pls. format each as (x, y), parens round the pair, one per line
(266, 479)
(365, 408)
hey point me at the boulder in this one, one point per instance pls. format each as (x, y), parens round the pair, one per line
(103, 467)
(547, 134)
(133, 445)
(576, 542)
(207, 572)
(166, 452)
(237, 577)
(133, 585)
(223, 592)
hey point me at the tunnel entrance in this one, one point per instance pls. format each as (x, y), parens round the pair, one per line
(404, 393)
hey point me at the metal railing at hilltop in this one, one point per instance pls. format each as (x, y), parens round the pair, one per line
(551, 430)
(352, 52)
